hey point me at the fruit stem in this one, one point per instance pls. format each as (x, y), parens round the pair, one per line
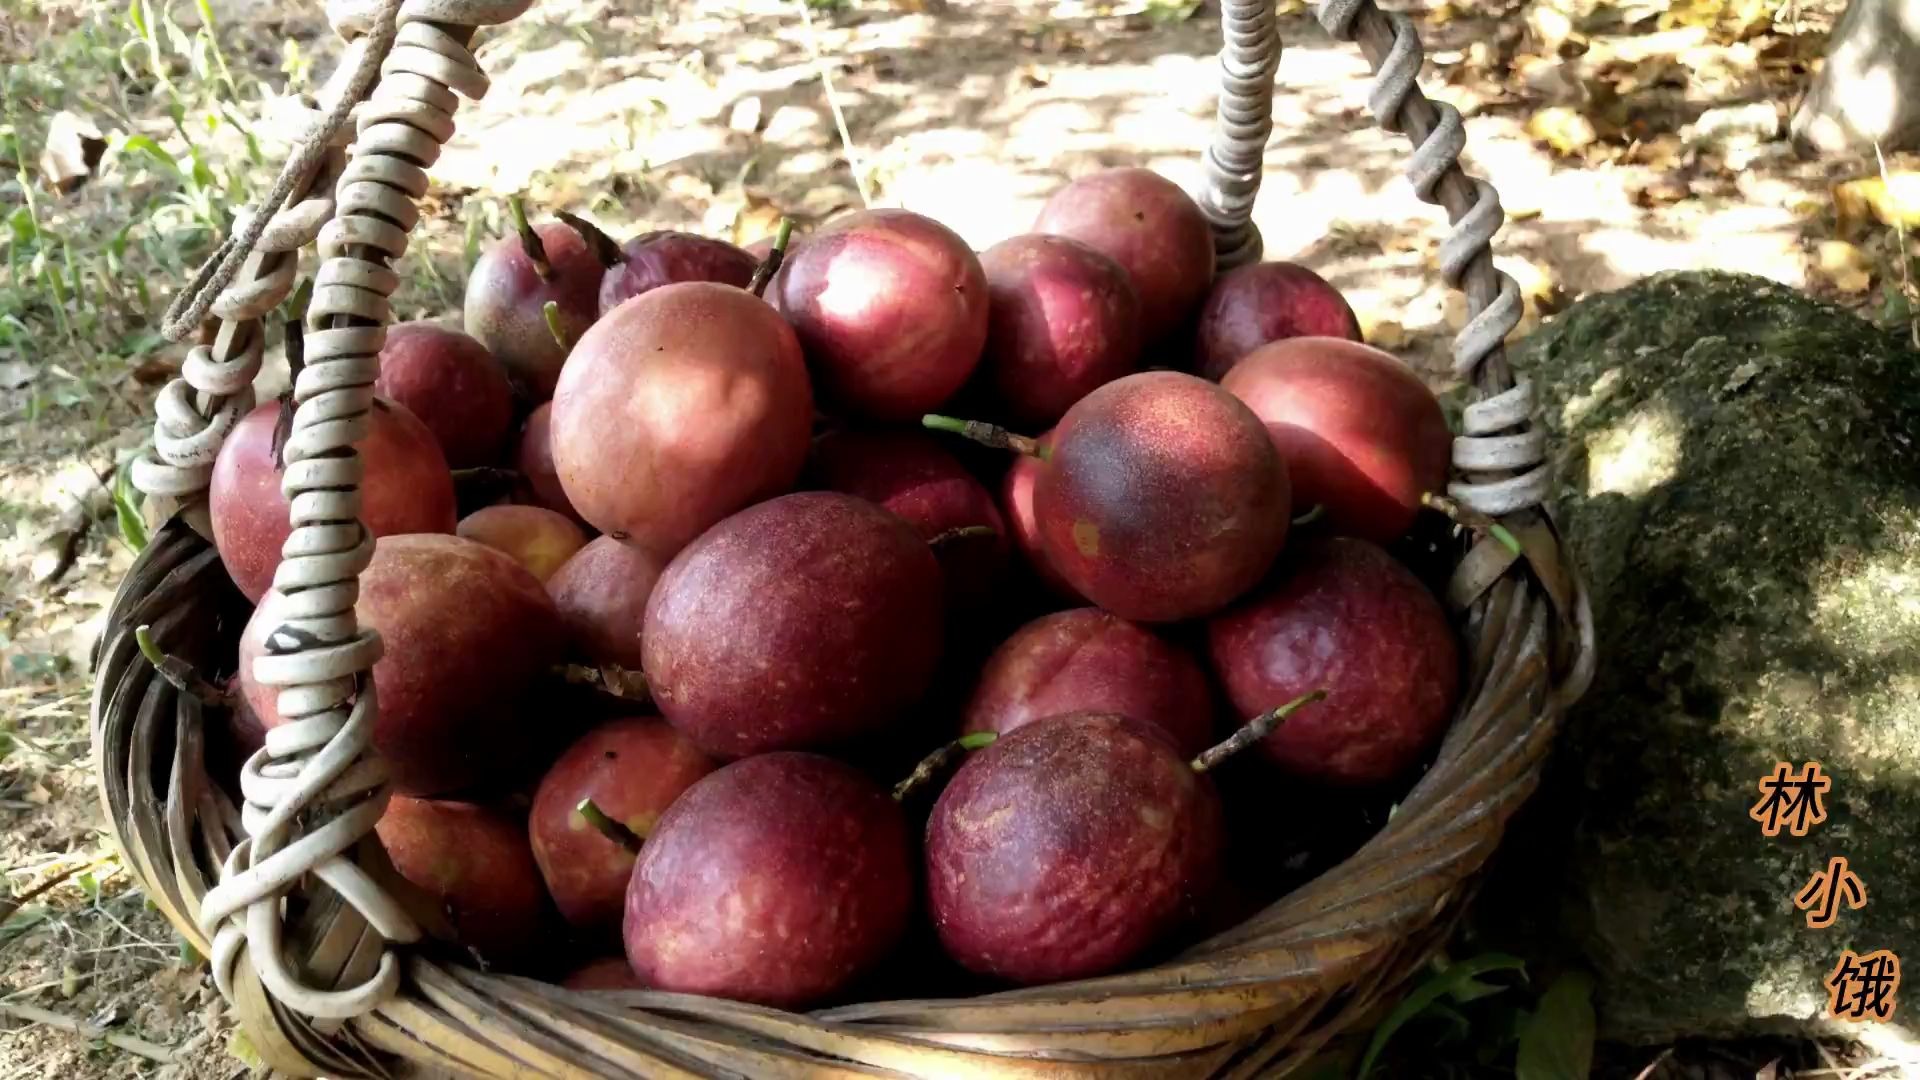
(178, 672)
(769, 266)
(608, 827)
(986, 434)
(530, 240)
(551, 311)
(1256, 729)
(965, 532)
(1319, 511)
(296, 349)
(939, 761)
(603, 245)
(1471, 519)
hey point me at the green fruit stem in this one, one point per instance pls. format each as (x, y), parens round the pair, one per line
(1255, 729)
(178, 672)
(603, 245)
(530, 240)
(769, 266)
(1471, 519)
(940, 761)
(1319, 511)
(985, 434)
(551, 312)
(608, 827)
(941, 542)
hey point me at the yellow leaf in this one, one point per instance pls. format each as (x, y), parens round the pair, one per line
(1892, 201)
(1565, 130)
(1845, 266)
(1385, 334)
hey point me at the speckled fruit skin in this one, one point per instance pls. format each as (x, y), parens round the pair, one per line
(406, 488)
(677, 409)
(804, 621)
(1361, 434)
(535, 537)
(606, 973)
(473, 862)
(1062, 320)
(653, 259)
(466, 629)
(891, 308)
(1251, 306)
(1016, 506)
(533, 458)
(1086, 660)
(1065, 849)
(1342, 615)
(777, 880)
(1162, 499)
(632, 769)
(601, 594)
(911, 474)
(506, 299)
(1148, 225)
(455, 387)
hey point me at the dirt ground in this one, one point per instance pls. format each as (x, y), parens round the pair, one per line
(1623, 139)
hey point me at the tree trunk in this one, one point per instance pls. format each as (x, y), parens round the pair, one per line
(1869, 88)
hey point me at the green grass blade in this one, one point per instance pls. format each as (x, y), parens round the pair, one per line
(1433, 989)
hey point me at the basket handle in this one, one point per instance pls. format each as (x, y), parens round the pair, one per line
(1500, 467)
(316, 788)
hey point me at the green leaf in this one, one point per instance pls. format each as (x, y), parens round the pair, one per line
(137, 15)
(206, 14)
(202, 176)
(22, 223)
(141, 144)
(1435, 987)
(89, 885)
(126, 513)
(1474, 990)
(1557, 1042)
(6, 745)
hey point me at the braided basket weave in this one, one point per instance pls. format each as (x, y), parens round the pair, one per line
(290, 897)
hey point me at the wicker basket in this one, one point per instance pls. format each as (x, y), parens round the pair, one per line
(290, 897)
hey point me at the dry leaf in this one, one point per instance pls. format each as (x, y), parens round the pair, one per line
(1844, 266)
(73, 148)
(1663, 190)
(1565, 130)
(746, 115)
(1385, 334)
(1894, 200)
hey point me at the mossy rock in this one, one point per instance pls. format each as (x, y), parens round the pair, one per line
(1739, 470)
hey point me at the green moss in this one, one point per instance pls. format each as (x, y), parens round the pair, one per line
(1740, 477)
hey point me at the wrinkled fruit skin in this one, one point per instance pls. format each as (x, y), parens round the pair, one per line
(474, 864)
(1016, 506)
(453, 385)
(807, 620)
(1067, 848)
(1148, 225)
(632, 769)
(680, 407)
(1341, 614)
(406, 488)
(533, 459)
(1163, 498)
(1063, 319)
(777, 880)
(535, 537)
(465, 631)
(1086, 660)
(911, 474)
(891, 308)
(506, 298)
(606, 973)
(1361, 434)
(1251, 306)
(601, 594)
(664, 257)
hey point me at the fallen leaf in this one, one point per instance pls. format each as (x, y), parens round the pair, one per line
(746, 115)
(15, 374)
(1565, 130)
(1664, 190)
(38, 795)
(1894, 200)
(1385, 334)
(1844, 266)
(74, 146)
(154, 370)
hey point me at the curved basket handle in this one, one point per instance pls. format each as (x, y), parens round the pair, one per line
(1500, 456)
(316, 789)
